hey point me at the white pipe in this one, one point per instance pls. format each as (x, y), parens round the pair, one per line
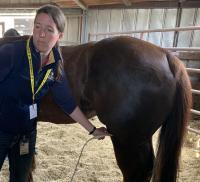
(195, 70)
(195, 91)
(195, 111)
(151, 30)
(193, 130)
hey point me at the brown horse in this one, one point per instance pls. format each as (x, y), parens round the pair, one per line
(134, 87)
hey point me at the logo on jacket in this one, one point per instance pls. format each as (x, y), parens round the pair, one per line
(51, 76)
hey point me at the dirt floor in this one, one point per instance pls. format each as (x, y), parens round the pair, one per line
(59, 146)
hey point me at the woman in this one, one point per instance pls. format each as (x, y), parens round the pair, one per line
(30, 69)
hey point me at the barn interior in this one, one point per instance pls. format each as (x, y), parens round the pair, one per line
(171, 24)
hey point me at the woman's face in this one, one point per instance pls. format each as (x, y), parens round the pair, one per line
(45, 33)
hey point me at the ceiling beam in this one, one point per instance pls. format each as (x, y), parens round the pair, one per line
(127, 2)
(20, 5)
(81, 4)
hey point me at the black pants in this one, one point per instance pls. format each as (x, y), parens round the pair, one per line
(19, 165)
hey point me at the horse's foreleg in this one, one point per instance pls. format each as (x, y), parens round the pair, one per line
(134, 160)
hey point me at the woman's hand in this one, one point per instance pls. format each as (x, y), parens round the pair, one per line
(100, 133)
(78, 116)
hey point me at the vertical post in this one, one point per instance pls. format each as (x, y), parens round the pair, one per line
(198, 149)
(141, 35)
(84, 31)
(178, 21)
(194, 23)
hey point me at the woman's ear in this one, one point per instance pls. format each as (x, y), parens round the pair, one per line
(61, 35)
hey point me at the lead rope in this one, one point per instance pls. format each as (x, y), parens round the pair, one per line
(75, 169)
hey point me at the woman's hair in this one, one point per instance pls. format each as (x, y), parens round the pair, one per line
(59, 19)
(55, 13)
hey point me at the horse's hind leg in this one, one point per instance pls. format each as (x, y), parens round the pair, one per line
(135, 161)
(33, 166)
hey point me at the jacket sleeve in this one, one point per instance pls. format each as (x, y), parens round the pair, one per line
(63, 96)
(6, 61)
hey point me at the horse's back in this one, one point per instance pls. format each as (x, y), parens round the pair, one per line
(10, 39)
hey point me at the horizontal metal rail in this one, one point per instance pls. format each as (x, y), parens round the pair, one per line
(142, 32)
(192, 49)
(195, 91)
(193, 130)
(189, 28)
(195, 112)
(194, 70)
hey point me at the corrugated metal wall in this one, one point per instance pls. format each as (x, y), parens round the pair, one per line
(116, 20)
(72, 34)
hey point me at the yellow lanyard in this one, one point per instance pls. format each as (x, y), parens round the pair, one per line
(28, 51)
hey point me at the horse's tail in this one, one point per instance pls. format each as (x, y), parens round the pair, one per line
(173, 129)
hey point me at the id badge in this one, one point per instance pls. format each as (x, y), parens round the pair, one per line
(33, 111)
(24, 147)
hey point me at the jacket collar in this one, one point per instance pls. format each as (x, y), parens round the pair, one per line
(54, 56)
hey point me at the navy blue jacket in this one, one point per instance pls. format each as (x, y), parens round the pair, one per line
(15, 86)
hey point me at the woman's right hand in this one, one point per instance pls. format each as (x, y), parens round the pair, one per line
(100, 133)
